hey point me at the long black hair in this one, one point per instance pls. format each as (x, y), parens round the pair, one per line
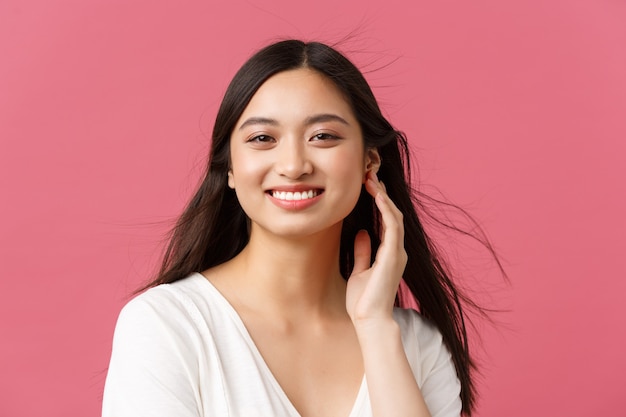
(214, 228)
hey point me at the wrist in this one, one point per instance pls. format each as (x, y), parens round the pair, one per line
(380, 328)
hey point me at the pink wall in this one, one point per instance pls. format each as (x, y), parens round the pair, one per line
(516, 111)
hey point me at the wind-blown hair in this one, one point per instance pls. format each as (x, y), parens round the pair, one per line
(214, 228)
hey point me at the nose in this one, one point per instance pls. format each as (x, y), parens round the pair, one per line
(292, 159)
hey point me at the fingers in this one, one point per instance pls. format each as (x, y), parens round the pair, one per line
(392, 243)
(372, 289)
(391, 215)
(362, 252)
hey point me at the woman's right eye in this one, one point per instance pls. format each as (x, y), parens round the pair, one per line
(261, 138)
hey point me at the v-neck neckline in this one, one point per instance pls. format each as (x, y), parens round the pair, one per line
(238, 321)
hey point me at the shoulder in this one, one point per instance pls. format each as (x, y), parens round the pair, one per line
(164, 308)
(180, 297)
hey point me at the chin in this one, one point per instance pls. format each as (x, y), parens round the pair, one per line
(299, 230)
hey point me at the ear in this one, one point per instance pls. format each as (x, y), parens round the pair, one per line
(372, 161)
(231, 179)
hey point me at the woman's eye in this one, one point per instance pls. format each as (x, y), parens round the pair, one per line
(324, 136)
(260, 138)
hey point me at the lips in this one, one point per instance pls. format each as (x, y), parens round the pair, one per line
(296, 198)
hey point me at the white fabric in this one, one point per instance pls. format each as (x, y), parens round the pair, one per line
(181, 350)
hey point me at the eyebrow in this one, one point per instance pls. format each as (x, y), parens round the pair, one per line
(317, 118)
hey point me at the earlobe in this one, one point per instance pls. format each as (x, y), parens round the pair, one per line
(231, 179)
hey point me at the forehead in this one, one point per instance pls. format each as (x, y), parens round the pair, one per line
(296, 95)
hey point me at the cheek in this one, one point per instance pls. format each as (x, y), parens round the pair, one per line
(348, 173)
(349, 166)
(244, 170)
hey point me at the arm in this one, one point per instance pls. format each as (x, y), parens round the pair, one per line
(393, 388)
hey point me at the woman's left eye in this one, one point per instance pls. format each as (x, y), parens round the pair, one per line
(324, 136)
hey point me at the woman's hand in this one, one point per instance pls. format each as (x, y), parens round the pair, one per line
(372, 289)
(371, 292)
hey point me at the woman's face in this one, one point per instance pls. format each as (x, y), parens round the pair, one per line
(297, 155)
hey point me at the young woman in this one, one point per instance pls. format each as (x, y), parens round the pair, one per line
(278, 293)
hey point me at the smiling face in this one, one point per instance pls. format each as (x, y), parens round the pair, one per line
(297, 155)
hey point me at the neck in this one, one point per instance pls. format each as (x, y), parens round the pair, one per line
(291, 275)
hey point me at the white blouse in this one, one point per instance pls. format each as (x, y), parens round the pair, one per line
(181, 350)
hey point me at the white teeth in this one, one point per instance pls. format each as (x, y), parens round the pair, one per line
(290, 196)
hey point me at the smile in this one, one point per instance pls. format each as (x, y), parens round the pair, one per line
(291, 196)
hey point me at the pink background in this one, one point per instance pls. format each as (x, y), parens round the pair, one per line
(516, 111)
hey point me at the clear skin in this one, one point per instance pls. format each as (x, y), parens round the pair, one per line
(299, 133)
